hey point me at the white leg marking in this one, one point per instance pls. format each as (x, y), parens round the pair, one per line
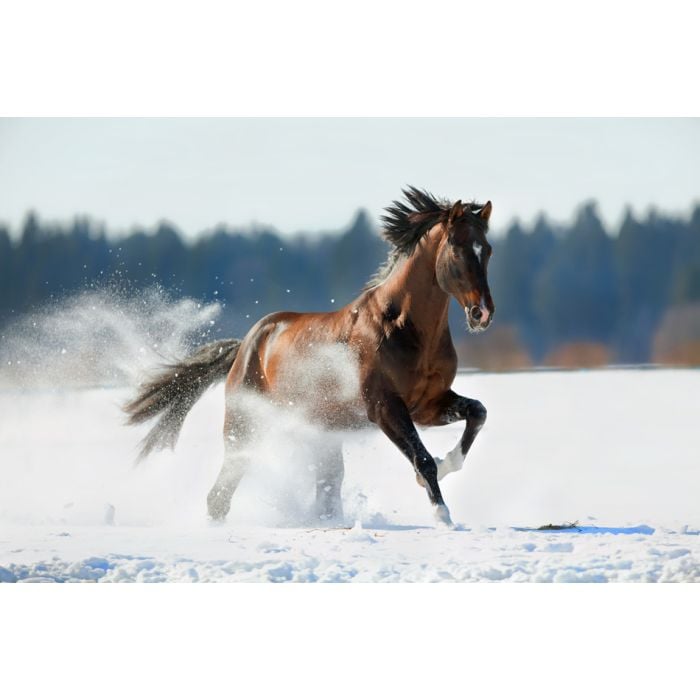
(452, 462)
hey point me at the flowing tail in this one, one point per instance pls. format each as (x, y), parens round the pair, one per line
(176, 389)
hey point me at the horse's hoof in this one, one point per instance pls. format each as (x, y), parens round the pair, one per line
(331, 519)
(442, 517)
(217, 514)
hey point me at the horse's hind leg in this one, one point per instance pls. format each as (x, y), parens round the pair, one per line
(236, 460)
(232, 471)
(330, 471)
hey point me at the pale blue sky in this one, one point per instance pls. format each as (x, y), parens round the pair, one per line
(313, 174)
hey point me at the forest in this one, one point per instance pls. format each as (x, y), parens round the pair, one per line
(572, 294)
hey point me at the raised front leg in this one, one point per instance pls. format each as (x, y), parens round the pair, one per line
(454, 407)
(390, 413)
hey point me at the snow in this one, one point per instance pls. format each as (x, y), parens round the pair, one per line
(614, 450)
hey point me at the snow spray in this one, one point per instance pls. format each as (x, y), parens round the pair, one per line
(101, 338)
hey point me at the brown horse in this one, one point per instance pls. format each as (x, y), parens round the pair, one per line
(386, 358)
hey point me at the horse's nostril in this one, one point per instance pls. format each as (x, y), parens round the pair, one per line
(475, 312)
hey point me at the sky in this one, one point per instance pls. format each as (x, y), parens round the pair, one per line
(313, 174)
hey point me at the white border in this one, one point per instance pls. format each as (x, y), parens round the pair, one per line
(312, 57)
(329, 59)
(374, 641)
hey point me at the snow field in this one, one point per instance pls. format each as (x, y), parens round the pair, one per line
(614, 450)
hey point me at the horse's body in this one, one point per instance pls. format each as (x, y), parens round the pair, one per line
(386, 358)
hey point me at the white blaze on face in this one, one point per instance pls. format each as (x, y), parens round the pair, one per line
(478, 248)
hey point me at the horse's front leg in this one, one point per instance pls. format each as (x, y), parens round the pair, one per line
(451, 408)
(390, 413)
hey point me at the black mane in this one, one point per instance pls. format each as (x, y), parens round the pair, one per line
(405, 224)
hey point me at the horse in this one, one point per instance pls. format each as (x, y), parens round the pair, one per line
(393, 342)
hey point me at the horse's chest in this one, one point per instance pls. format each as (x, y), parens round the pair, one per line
(419, 365)
(425, 387)
(424, 378)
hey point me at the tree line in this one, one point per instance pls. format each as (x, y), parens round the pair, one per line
(554, 285)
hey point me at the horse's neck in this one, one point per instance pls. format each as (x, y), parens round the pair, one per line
(413, 289)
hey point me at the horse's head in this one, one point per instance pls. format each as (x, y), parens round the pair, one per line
(462, 262)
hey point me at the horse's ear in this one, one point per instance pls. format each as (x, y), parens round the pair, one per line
(456, 212)
(485, 212)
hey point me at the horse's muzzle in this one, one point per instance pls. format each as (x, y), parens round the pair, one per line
(478, 317)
